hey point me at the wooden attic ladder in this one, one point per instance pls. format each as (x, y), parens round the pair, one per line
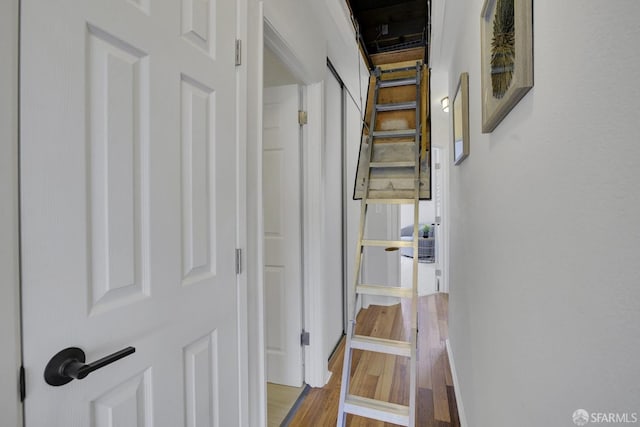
(393, 168)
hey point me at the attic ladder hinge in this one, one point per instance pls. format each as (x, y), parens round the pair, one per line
(238, 52)
(22, 388)
(304, 338)
(302, 118)
(238, 261)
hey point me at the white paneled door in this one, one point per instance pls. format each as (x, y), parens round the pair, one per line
(128, 204)
(282, 235)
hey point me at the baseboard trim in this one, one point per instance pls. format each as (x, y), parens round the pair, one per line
(456, 386)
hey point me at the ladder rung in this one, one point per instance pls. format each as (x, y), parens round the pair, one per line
(399, 133)
(396, 106)
(381, 345)
(392, 164)
(389, 243)
(376, 409)
(391, 201)
(385, 291)
(397, 82)
(399, 69)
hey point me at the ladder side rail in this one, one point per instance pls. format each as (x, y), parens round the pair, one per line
(416, 210)
(346, 367)
(416, 240)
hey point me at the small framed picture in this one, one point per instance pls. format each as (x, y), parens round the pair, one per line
(461, 120)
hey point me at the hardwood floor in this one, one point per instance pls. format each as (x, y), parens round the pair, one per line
(386, 377)
(280, 400)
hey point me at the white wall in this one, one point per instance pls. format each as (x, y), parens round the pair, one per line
(275, 72)
(295, 23)
(343, 52)
(341, 47)
(9, 291)
(545, 284)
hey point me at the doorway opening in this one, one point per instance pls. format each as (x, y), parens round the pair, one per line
(429, 237)
(282, 219)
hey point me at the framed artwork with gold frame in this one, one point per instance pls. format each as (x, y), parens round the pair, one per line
(507, 57)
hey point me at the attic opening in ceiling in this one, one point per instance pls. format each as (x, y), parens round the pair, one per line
(392, 25)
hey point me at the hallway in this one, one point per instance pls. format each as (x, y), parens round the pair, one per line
(385, 377)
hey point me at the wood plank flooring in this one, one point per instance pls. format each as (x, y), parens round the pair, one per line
(280, 400)
(386, 377)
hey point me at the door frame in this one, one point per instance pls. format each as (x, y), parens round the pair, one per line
(260, 30)
(311, 137)
(242, 278)
(10, 360)
(443, 251)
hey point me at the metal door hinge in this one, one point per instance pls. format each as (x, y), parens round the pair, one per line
(238, 261)
(438, 272)
(22, 385)
(302, 118)
(438, 220)
(437, 166)
(304, 338)
(238, 52)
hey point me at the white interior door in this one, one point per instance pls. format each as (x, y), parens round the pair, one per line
(282, 235)
(128, 180)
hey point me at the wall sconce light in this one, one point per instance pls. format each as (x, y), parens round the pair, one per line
(445, 104)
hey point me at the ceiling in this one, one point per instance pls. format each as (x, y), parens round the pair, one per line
(391, 25)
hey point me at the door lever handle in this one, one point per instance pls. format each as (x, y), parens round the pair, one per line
(68, 365)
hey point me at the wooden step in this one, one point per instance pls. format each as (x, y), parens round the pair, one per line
(377, 410)
(398, 69)
(386, 195)
(403, 180)
(396, 106)
(388, 243)
(381, 345)
(390, 201)
(401, 151)
(390, 183)
(397, 82)
(392, 164)
(384, 291)
(398, 133)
